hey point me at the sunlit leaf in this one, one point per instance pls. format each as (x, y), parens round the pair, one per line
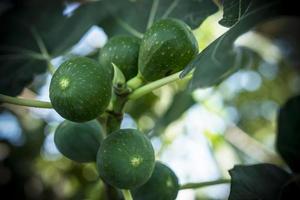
(221, 58)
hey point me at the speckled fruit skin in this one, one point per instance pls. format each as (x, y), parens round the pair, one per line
(163, 185)
(79, 141)
(123, 51)
(166, 48)
(126, 159)
(80, 89)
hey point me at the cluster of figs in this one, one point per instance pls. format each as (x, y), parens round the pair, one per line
(81, 90)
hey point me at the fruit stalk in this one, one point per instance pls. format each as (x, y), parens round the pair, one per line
(24, 102)
(155, 85)
(127, 195)
(135, 82)
(203, 184)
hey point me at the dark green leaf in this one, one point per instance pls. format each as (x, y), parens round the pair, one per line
(256, 182)
(14, 75)
(19, 45)
(233, 11)
(249, 58)
(221, 58)
(288, 138)
(17, 41)
(193, 12)
(182, 101)
(72, 28)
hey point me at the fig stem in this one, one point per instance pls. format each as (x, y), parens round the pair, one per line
(127, 195)
(135, 82)
(24, 102)
(203, 184)
(155, 85)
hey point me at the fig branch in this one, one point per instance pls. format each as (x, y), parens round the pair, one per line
(115, 115)
(117, 102)
(24, 102)
(203, 184)
(155, 85)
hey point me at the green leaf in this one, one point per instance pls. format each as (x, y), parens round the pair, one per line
(233, 11)
(262, 181)
(29, 21)
(288, 136)
(182, 101)
(136, 13)
(221, 58)
(81, 20)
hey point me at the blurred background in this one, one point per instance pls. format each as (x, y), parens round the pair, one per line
(200, 135)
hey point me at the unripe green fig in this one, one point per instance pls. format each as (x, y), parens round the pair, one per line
(163, 185)
(123, 51)
(79, 141)
(126, 159)
(166, 48)
(80, 89)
